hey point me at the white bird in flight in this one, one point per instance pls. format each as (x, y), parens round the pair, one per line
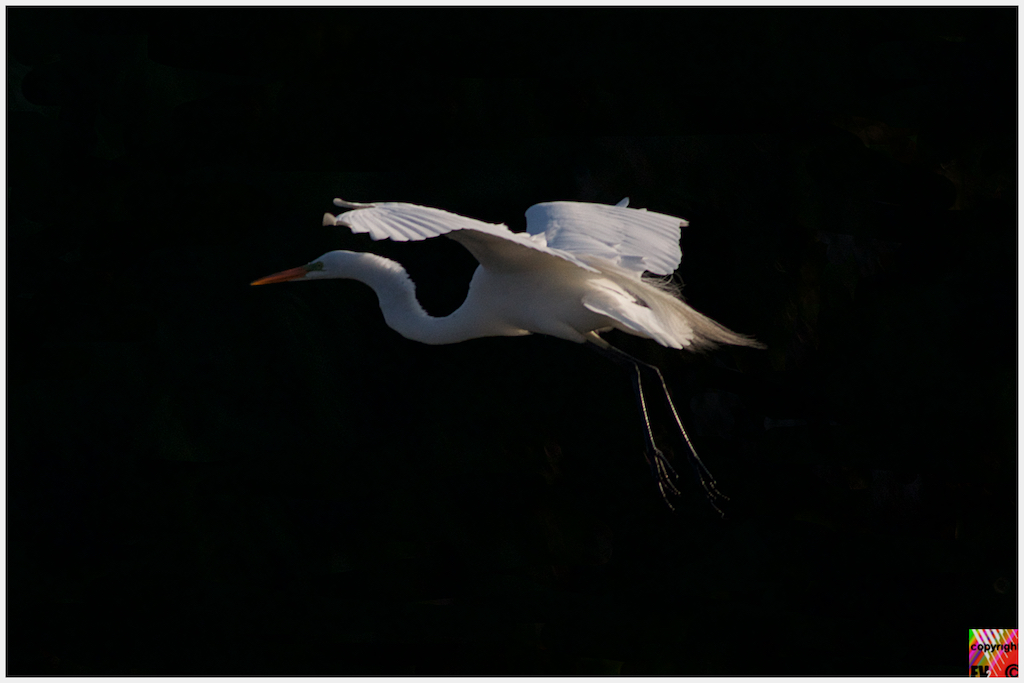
(576, 272)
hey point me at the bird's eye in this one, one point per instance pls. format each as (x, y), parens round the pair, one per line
(318, 265)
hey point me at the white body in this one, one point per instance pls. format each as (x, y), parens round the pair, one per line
(556, 294)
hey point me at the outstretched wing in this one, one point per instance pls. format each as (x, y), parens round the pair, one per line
(635, 239)
(492, 244)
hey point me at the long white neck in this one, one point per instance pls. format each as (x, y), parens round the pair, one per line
(397, 296)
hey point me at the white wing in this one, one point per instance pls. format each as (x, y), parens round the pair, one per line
(492, 244)
(635, 239)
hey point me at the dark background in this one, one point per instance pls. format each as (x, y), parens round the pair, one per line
(208, 478)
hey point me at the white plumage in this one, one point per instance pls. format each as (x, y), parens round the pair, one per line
(575, 272)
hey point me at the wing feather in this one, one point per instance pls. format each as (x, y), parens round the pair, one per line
(635, 239)
(492, 244)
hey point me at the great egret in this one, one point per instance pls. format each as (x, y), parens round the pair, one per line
(575, 272)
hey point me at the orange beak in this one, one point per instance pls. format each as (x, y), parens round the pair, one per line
(284, 276)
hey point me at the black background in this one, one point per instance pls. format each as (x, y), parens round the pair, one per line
(209, 478)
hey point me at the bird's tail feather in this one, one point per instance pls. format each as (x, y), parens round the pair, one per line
(683, 325)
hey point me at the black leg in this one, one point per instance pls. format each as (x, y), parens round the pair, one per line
(660, 466)
(707, 480)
